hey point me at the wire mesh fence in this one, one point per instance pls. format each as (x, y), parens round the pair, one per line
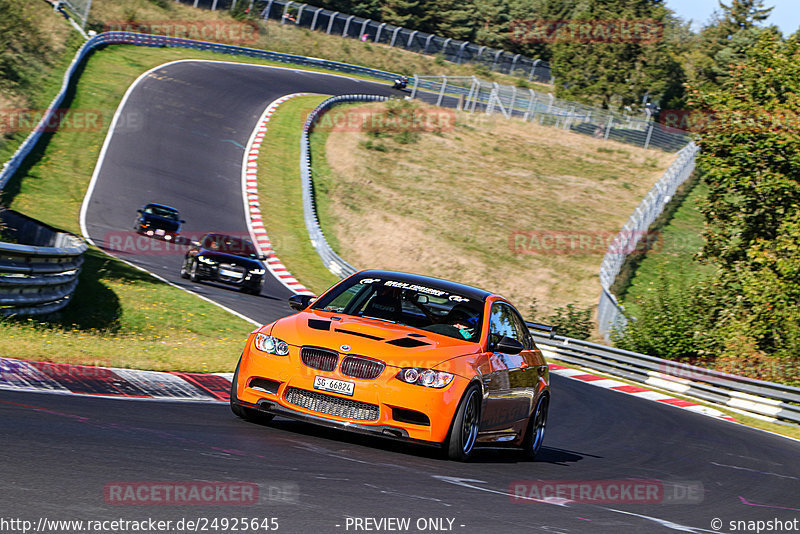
(609, 312)
(476, 95)
(77, 8)
(351, 26)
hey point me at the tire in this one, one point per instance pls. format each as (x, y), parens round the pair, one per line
(248, 414)
(464, 429)
(536, 428)
(184, 272)
(193, 276)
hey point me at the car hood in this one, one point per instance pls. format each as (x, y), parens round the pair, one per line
(396, 345)
(222, 257)
(161, 222)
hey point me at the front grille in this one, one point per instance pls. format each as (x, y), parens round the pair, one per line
(328, 404)
(231, 272)
(361, 367)
(324, 360)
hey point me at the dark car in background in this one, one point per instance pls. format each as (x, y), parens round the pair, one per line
(159, 221)
(225, 259)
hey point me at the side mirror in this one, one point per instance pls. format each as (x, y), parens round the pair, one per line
(181, 221)
(300, 302)
(139, 211)
(508, 345)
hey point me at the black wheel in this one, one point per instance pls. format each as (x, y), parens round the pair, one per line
(194, 276)
(248, 414)
(536, 427)
(464, 429)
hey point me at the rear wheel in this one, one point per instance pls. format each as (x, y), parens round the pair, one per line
(248, 414)
(536, 428)
(184, 272)
(464, 429)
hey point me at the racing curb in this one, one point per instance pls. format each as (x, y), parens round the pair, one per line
(214, 387)
(255, 222)
(72, 379)
(636, 391)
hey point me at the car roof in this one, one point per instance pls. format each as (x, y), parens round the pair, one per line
(418, 279)
(155, 205)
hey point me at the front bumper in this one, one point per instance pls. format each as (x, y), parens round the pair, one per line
(397, 402)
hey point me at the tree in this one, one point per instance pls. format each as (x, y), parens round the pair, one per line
(744, 14)
(750, 158)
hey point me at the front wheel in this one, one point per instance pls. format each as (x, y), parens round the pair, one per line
(248, 414)
(536, 428)
(464, 429)
(194, 276)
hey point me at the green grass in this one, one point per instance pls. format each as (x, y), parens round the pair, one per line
(279, 178)
(673, 255)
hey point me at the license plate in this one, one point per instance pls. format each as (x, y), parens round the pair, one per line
(336, 386)
(159, 232)
(230, 274)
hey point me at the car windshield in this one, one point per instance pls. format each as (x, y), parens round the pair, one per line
(160, 211)
(426, 307)
(230, 245)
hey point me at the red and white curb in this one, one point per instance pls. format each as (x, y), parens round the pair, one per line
(636, 391)
(255, 223)
(71, 379)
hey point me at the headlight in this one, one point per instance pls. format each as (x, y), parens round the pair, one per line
(271, 345)
(258, 271)
(425, 377)
(203, 259)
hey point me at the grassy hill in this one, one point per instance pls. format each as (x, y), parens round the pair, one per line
(514, 207)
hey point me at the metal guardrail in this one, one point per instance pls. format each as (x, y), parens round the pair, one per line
(756, 397)
(330, 259)
(609, 313)
(39, 271)
(367, 30)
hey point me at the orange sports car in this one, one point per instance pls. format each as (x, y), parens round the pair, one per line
(401, 356)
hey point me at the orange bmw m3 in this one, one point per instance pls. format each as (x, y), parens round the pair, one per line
(401, 356)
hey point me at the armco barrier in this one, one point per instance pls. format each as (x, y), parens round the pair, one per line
(753, 397)
(330, 259)
(39, 271)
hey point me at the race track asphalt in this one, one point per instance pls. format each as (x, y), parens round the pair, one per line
(186, 127)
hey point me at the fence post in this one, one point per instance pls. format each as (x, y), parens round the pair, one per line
(364, 28)
(513, 100)
(459, 57)
(330, 21)
(214, 5)
(514, 63)
(530, 113)
(314, 18)
(533, 69)
(469, 95)
(496, 57)
(649, 135)
(195, 3)
(380, 30)
(300, 13)
(285, 11)
(441, 91)
(267, 10)
(394, 35)
(444, 46)
(427, 43)
(416, 84)
(410, 38)
(608, 126)
(347, 25)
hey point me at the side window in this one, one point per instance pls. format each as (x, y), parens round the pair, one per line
(525, 334)
(503, 322)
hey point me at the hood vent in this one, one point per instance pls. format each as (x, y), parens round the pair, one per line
(360, 334)
(407, 342)
(316, 324)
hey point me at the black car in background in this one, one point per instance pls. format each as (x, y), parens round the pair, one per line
(225, 259)
(159, 221)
